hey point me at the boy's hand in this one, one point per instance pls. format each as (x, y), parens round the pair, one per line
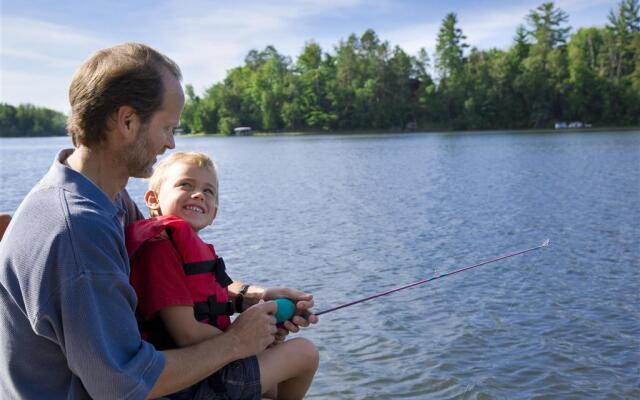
(304, 302)
(280, 337)
(254, 329)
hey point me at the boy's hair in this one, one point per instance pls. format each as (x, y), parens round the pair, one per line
(187, 157)
(126, 75)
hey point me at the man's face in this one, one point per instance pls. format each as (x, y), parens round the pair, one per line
(156, 135)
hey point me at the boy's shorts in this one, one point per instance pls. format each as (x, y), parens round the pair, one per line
(237, 380)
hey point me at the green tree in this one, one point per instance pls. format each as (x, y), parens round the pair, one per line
(450, 63)
(545, 68)
(546, 75)
(239, 106)
(521, 45)
(547, 26)
(310, 106)
(450, 47)
(586, 88)
(623, 25)
(29, 120)
(8, 121)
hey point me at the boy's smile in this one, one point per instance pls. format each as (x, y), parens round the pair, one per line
(189, 192)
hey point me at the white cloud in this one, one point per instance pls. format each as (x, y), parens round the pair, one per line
(483, 29)
(44, 89)
(491, 28)
(39, 59)
(206, 39)
(411, 38)
(211, 40)
(576, 5)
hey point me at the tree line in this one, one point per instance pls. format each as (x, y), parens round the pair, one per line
(544, 77)
(29, 120)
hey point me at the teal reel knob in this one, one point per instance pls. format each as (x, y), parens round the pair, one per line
(286, 309)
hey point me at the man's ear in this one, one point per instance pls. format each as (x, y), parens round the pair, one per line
(127, 122)
(153, 203)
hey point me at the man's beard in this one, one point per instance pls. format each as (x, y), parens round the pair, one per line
(140, 157)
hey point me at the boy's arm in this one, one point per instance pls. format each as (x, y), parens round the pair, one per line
(304, 302)
(183, 328)
(251, 296)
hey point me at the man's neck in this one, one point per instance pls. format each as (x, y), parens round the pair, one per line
(101, 168)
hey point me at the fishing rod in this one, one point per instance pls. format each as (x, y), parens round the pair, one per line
(286, 307)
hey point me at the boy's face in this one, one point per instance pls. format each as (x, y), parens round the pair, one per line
(189, 192)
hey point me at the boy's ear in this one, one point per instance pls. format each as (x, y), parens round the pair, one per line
(153, 203)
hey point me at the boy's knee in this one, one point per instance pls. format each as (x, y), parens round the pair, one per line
(308, 352)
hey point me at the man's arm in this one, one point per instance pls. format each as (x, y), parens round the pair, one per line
(249, 334)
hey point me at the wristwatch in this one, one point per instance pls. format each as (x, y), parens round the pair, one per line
(240, 298)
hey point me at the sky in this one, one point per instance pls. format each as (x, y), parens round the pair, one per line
(42, 43)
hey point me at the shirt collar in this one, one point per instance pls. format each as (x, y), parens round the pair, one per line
(61, 175)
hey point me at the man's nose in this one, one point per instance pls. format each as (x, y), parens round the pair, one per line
(170, 143)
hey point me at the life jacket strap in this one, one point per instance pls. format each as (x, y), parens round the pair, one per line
(216, 266)
(210, 309)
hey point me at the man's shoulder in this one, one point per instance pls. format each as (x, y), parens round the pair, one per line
(66, 210)
(41, 213)
(54, 224)
(45, 197)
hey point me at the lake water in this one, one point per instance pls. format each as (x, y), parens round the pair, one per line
(344, 217)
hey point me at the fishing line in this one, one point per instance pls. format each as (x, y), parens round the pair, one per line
(385, 293)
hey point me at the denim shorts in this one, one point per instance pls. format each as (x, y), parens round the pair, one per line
(237, 380)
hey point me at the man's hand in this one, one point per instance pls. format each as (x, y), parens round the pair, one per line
(304, 302)
(255, 329)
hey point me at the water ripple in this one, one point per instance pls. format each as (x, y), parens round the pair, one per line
(344, 217)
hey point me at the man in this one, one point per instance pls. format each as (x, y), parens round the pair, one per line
(67, 323)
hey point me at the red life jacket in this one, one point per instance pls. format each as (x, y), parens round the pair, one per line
(205, 272)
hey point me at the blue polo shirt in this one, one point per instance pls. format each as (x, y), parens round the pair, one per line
(67, 310)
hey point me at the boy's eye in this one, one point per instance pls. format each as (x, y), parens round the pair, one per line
(209, 191)
(185, 185)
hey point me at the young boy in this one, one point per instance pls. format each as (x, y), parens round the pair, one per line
(182, 291)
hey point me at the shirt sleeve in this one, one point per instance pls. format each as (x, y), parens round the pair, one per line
(158, 278)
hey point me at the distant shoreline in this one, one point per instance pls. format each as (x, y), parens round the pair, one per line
(386, 131)
(439, 131)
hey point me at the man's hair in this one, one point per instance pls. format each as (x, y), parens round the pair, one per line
(125, 75)
(198, 159)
